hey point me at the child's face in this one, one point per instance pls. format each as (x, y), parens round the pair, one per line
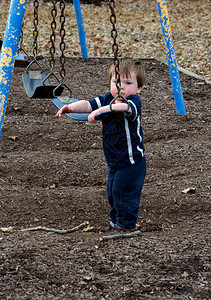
(129, 86)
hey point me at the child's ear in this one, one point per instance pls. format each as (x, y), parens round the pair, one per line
(139, 89)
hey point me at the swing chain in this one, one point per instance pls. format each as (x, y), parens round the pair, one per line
(35, 32)
(62, 43)
(115, 45)
(53, 35)
(20, 46)
(115, 51)
(62, 48)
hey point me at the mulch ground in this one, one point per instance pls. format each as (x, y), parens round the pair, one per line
(53, 174)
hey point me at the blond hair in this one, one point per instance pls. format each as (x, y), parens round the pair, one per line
(128, 65)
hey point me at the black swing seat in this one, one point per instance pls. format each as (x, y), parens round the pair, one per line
(20, 61)
(34, 87)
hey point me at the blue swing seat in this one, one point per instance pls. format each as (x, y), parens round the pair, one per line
(61, 101)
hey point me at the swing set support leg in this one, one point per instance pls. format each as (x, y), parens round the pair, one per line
(170, 53)
(8, 51)
(81, 31)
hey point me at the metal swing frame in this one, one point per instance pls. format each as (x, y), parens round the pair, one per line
(14, 24)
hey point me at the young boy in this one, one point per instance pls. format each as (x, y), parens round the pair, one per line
(122, 143)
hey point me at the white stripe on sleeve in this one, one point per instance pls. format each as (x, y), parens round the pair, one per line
(98, 102)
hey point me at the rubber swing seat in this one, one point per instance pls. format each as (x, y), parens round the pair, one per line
(20, 61)
(61, 101)
(34, 87)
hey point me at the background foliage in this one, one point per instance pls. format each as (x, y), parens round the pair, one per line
(139, 30)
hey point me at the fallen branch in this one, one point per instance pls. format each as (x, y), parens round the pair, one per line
(61, 231)
(7, 229)
(120, 235)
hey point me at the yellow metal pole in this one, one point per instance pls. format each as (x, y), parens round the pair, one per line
(8, 52)
(170, 54)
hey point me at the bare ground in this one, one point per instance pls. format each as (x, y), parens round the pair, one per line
(53, 173)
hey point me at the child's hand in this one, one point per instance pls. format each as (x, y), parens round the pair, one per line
(64, 109)
(91, 117)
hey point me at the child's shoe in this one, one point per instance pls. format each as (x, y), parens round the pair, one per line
(106, 229)
(116, 229)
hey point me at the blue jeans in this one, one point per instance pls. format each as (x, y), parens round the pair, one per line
(124, 192)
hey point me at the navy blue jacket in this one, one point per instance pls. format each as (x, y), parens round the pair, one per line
(122, 133)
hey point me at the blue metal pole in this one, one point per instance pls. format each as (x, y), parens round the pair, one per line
(80, 28)
(8, 51)
(170, 53)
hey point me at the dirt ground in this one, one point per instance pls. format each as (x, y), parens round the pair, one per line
(53, 174)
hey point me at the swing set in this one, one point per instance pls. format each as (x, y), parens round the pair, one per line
(59, 102)
(37, 83)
